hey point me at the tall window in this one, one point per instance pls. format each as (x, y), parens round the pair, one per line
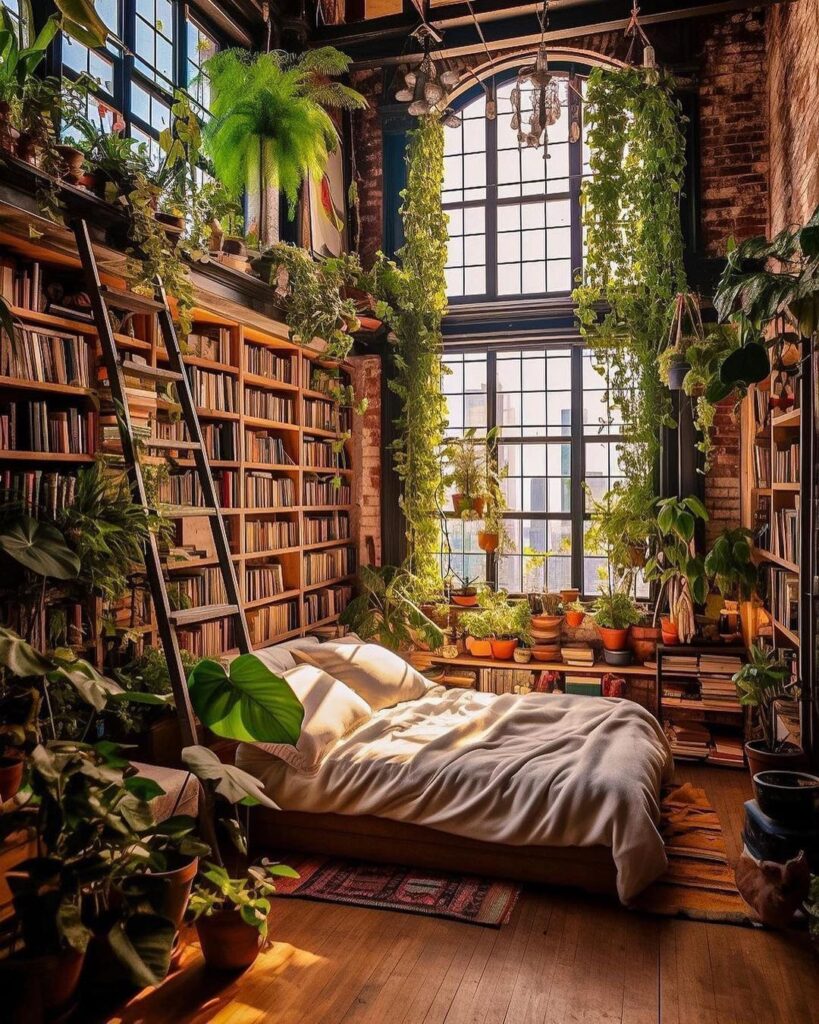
(554, 440)
(514, 219)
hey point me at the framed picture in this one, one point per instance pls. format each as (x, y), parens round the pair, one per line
(328, 209)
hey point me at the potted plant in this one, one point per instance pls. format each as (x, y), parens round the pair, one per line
(465, 458)
(231, 914)
(575, 613)
(614, 613)
(494, 535)
(686, 330)
(385, 609)
(761, 682)
(736, 577)
(18, 83)
(643, 638)
(478, 631)
(466, 595)
(510, 623)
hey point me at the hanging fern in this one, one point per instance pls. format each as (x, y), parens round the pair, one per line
(413, 302)
(633, 265)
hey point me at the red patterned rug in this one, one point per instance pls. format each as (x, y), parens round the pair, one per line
(474, 900)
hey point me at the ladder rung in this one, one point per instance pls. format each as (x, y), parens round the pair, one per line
(207, 613)
(130, 301)
(154, 372)
(182, 446)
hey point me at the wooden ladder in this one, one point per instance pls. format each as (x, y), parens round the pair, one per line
(104, 299)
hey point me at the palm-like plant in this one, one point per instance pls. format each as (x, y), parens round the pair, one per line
(270, 128)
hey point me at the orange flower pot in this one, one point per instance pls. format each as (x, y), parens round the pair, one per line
(574, 619)
(488, 541)
(614, 639)
(479, 648)
(503, 649)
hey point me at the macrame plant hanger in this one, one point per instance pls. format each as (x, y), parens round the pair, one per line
(634, 31)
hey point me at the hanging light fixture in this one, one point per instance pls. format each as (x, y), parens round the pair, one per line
(541, 86)
(425, 88)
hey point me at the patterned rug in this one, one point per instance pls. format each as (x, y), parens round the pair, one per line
(474, 900)
(699, 883)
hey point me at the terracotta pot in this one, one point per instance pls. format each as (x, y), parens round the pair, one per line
(760, 759)
(636, 556)
(568, 596)
(234, 246)
(41, 987)
(169, 890)
(503, 649)
(465, 600)
(669, 632)
(73, 160)
(547, 622)
(11, 777)
(479, 505)
(488, 541)
(643, 642)
(613, 639)
(28, 149)
(574, 619)
(479, 648)
(461, 504)
(228, 944)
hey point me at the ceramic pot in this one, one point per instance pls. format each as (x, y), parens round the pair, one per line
(503, 649)
(488, 541)
(479, 505)
(522, 655)
(11, 777)
(478, 648)
(28, 148)
(465, 600)
(643, 642)
(760, 759)
(547, 622)
(460, 504)
(574, 619)
(234, 246)
(791, 798)
(41, 987)
(228, 944)
(73, 160)
(169, 890)
(570, 595)
(613, 639)
(669, 633)
(676, 375)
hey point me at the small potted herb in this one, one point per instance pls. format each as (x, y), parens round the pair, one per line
(478, 631)
(466, 596)
(575, 613)
(614, 614)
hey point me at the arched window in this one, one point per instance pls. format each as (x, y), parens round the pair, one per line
(514, 212)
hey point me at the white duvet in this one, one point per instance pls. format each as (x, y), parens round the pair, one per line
(537, 770)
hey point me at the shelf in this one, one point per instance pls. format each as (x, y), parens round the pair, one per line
(18, 456)
(272, 508)
(322, 622)
(262, 424)
(268, 383)
(272, 466)
(787, 633)
(328, 583)
(793, 488)
(47, 387)
(769, 556)
(279, 638)
(61, 323)
(793, 418)
(270, 553)
(309, 393)
(327, 544)
(205, 364)
(672, 704)
(327, 508)
(598, 668)
(318, 432)
(215, 414)
(327, 471)
(286, 595)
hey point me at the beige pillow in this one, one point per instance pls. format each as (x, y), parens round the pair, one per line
(381, 677)
(331, 711)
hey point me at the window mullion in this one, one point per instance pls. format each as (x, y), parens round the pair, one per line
(491, 422)
(577, 466)
(491, 204)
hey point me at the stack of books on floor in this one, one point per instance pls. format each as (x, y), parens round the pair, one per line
(578, 654)
(689, 739)
(727, 750)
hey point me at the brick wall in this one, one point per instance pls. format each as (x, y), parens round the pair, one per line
(366, 458)
(793, 111)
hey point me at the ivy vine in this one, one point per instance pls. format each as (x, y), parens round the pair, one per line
(412, 300)
(633, 266)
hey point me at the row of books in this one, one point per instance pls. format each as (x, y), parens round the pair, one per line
(263, 581)
(321, 604)
(213, 343)
(197, 588)
(785, 533)
(264, 362)
(321, 454)
(213, 390)
(267, 623)
(502, 680)
(261, 446)
(320, 566)
(52, 358)
(786, 463)
(270, 534)
(695, 741)
(34, 427)
(762, 464)
(185, 489)
(264, 490)
(42, 493)
(208, 639)
(762, 409)
(268, 406)
(21, 284)
(784, 596)
(221, 438)
(322, 491)
(321, 415)
(327, 527)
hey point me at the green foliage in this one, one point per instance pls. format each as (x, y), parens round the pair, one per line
(81, 20)
(761, 682)
(17, 66)
(413, 301)
(615, 609)
(498, 618)
(247, 896)
(269, 128)
(248, 702)
(622, 522)
(633, 263)
(147, 674)
(385, 608)
(466, 460)
(674, 555)
(230, 782)
(40, 548)
(729, 564)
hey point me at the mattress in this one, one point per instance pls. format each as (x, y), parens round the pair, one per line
(533, 770)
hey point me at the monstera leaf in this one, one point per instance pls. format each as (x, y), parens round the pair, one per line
(40, 548)
(748, 365)
(234, 784)
(249, 703)
(19, 658)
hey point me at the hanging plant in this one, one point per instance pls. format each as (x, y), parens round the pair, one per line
(413, 301)
(633, 266)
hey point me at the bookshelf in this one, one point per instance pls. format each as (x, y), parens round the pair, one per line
(278, 441)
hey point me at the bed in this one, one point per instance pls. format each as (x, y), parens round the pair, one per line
(542, 788)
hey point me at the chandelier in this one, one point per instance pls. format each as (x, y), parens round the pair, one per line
(541, 86)
(426, 88)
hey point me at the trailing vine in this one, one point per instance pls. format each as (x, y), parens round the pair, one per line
(413, 301)
(633, 266)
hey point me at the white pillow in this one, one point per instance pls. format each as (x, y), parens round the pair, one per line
(382, 678)
(277, 659)
(331, 710)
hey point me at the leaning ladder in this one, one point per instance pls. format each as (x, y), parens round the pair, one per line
(103, 299)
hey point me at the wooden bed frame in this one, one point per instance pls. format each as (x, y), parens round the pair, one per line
(393, 842)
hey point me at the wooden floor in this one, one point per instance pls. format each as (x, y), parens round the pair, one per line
(563, 958)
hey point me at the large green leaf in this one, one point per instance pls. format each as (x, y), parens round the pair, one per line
(250, 704)
(235, 785)
(94, 688)
(19, 657)
(80, 20)
(747, 365)
(41, 548)
(142, 944)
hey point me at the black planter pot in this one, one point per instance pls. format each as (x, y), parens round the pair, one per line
(676, 375)
(791, 798)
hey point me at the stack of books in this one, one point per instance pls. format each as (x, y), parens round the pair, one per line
(682, 664)
(718, 663)
(585, 686)
(689, 739)
(718, 693)
(727, 750)
(578, 654)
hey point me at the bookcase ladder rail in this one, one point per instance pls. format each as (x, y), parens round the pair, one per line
(101, 298)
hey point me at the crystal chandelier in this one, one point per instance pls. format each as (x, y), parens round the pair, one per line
(542, 87)
(426, 89)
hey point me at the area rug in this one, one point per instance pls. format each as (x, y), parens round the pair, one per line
(474, 900)
(699, 882)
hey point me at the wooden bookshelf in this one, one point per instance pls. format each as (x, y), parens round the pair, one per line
(283, 534)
